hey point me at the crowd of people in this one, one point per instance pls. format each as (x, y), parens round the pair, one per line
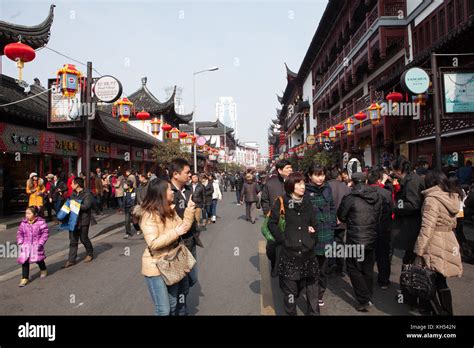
(368, 213)
(311, 216)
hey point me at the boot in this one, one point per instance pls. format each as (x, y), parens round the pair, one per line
(446, 301)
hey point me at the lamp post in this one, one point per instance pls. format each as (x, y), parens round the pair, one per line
(194, 116)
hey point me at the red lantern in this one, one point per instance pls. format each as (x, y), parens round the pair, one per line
(395, 97)
(360, 116)
(325, 133)
(143, 115)
(339, 127)
(166, 127)
(183, 135)
(21, 54)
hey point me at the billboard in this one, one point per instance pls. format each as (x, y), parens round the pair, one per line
(458, 92)
(63, 111)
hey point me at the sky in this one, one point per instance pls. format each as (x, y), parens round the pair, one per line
(167, 41)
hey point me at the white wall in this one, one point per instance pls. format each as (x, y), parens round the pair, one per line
(308, 95)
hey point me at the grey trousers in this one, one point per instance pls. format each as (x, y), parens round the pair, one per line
(250, 211)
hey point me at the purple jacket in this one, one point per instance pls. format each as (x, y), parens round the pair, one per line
(32, 238)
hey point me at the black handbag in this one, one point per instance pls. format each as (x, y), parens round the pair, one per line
(418, 281)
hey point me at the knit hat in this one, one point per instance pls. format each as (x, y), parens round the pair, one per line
(33, 174)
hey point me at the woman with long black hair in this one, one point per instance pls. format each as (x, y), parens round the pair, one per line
(161, 227)
(436, 244)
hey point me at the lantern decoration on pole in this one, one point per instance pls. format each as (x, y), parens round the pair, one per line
(394, 98)
(182, 137)
(174, 134)
(332, 133)
(123, 108)
(339, 128)
(155, 126)
(189, 139)
(374, 113)
(325, 135)
(21, 54)
(360, 116)
(166, 128)
(349, 126)
(69, 78)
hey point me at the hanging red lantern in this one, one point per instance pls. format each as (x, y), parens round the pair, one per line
(143, 115)
(155, 126)
(325, 134)
(339, 127)
(183, 135)
(360, 116)
(394, 97)
(21, 54)
(166, 127)
(69, 79)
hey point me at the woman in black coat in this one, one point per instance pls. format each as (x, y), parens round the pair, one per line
(206, 181)
(298, 266)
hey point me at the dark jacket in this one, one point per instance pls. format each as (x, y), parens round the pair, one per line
(339, 189)
(273, 188)
(361, 210)
(141, 192)
(199, 195)
(86, 198)
(323, 203)
(249, 192)
(130, 198)
(408, 202)
(464, 175)
(387, 208)
(239, 182)
(58, 190)
(296, 240)
(209, 190)
(191, 238)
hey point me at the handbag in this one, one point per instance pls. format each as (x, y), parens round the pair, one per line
(176, 264)
(418, 281)
(281, 222)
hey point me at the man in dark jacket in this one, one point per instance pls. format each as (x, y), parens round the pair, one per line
(239, 183)
(142, 188)
(339, 189)
(180, 173)
(273, 188)
(382, 251)
(199, 197)
(361, 210)
(81, 231)
(129, 202)
(464, 174)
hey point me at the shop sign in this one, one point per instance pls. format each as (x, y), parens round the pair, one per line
(107, 89)
(101, 149)
(415, 80)
(24, 139)
(48, 142)
(67, 145)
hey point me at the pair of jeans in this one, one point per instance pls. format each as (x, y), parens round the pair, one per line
(120, 202)
(382, 256)
(361, 274)
(214, 208)
(323, 277)
(207, 212)
(185, 285)
(58, 204)
(164, 297)
(291, 290)
(237, 195)
(25, 268)
(82, 233)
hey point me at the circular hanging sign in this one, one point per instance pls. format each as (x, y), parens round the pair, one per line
(415, 80)
(201, 141)
(311, 140)
(107, 89)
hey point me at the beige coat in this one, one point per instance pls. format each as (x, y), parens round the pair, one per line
(161, 238)
(436, 243)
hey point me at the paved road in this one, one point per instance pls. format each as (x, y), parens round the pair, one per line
(233, 279)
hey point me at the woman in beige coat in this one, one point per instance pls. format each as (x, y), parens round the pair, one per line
(161, 228)
(436, 244)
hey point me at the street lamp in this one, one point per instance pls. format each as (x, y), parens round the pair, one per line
(194, 116)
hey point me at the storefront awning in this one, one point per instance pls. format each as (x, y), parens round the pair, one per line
(444, 135)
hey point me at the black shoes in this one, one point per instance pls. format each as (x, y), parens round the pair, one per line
(364, 307)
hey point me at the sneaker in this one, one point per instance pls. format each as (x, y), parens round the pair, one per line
(384, 287)
(23, 282)
(88, 258)
(321, 303)
(43, 274)
(126, 236)
(364, 307)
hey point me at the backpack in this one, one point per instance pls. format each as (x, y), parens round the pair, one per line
(281, 222)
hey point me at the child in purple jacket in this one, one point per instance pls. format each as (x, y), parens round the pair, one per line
(31, 238)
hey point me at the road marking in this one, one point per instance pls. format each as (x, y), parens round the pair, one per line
(60, 254)
(266, 293)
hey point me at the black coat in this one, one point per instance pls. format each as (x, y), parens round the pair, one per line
(387, 208)
(209, 190)
(361, 210)
(199, 195)
(86, 198)
(296, 240)
(249, 192)
(408, 202)
(191, 238)
(239, 182)
(58, 191)
(273, 188)
(141, 192)
(130, 198)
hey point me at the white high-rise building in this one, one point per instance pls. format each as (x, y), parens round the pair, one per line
(226, 112)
